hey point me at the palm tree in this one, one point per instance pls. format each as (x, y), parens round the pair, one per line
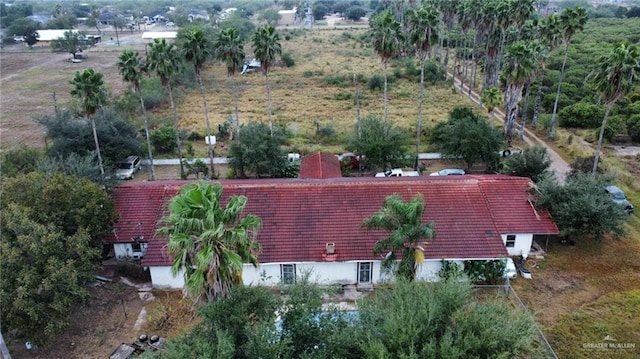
(196, 51)
(89, 89)
(210, 242)
(266, 48)
(131, 68)
(407, 234)
(518, 69)
(550, 34)
(163, 59)
(491, 98)
(228, 47)
(614, 78)
(448, 9)
(571, 21)
(387, 38)
(423, 33)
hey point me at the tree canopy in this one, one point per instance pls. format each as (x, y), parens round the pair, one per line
(50, 227)
(581, 207)
(72, 42)
(468, 136)
(259, 153)
(382, 149)
(533, 162)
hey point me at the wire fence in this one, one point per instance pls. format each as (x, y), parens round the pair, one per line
(511, 295)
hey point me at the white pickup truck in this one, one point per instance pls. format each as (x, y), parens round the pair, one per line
(398, 172)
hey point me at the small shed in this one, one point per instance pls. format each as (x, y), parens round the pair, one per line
(287, 17)
(151, 35)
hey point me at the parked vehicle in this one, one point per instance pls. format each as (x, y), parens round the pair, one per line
(449, 172)
(398, 172)
(618, 196)
(127, 169)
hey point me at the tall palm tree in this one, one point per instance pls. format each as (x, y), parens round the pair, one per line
(423, 33)
(89, 89)
(448, 10)
(613, 78)
(229, 48)
(551, 35)
(131, 68)
(266, 48)
(210, 242)
(539, 57)
(407, 235)
(387, 38)
(163, 59)
(571, 21)
(518, 68)
(196, 51)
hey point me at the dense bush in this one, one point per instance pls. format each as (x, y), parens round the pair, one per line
(164, 139)
(287, 59)
(376, 82)
(581, 115)
(633, 127)
(337, 80)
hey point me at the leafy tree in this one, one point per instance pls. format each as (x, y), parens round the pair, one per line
(533, 162)
(89, 89)
(407, 235)
(72, 42)
(164, 139)
(42, 273)
(266, 47)
(118, 136)
(196, 51)
(383, 148)
(585, 165)
(62, 22)
(319, 11)
(387, 38)
(424, 24)
(571, 21)
(118, 23)
(244, 26)
(259, 153)
(20, 160)
(164, 60)
(210, 242)
(271, 16)
(613, 78)
(581, 207)
(131, 68)
(229, 48)
(81, 166)
(355, 13)
(583, 114)
(468, 136)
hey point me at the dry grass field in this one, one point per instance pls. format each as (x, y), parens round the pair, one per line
(579, 294)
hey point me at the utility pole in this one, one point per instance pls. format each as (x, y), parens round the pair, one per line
(4, 352)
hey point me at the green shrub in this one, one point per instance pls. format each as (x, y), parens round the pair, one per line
(287, 37)
(130, 269)
(153, 92)
(615, 126)
(337, 80)
(342, 96)
(581, 114)
(194, 136)
(376, 82)
(633, 127)
(307, 73)
(164, 139)
(288, 60)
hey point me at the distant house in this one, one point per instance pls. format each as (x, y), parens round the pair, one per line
(316, 224)
(152, 35)
(197, 15)
(287, 17)
(46, 36)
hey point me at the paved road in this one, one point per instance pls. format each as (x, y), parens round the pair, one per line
(559, 166)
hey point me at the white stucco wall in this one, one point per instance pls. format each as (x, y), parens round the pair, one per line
(124, 249)
(161, 277)
(522, 245)
(320, 272)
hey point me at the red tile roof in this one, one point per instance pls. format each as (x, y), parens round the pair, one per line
(320, 165)
(299, 216)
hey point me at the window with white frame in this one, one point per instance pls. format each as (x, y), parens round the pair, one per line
(288, 273)
(511, 241)
(364, 272)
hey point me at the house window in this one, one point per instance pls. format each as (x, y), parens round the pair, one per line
(136, 247)
(288, 273)
(364, 272)
(511, 241)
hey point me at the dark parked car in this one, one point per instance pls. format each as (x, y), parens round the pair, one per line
(619, 197)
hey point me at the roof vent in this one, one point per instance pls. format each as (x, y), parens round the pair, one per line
(330, 248)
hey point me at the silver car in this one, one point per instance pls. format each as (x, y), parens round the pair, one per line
(448, 172)
(619, 197)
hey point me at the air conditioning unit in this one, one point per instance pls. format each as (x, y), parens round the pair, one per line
(330, 248)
